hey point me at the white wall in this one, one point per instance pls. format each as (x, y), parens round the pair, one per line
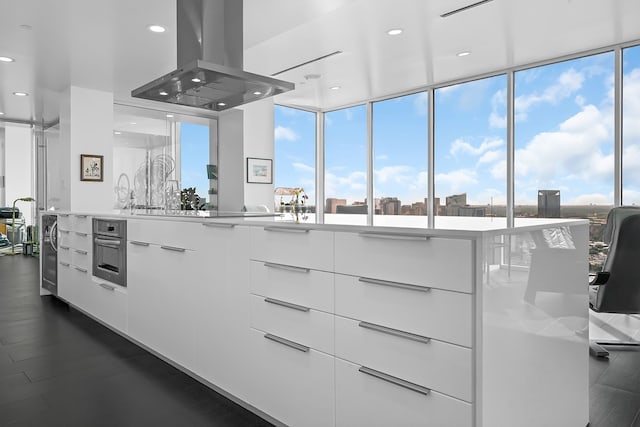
(86, 127)
(19, 168)
(258, 142)
(2, 199)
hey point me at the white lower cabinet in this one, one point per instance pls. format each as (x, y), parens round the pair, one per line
(161, 283)
(374, 399)
(292, 383)
(107, 302)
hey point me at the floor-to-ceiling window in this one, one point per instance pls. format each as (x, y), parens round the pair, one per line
(564, 143)
(400, 157)
(294, 161)
(345, 174)
(631, 126)
(470, 148)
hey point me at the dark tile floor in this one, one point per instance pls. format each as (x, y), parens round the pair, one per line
(60, 368)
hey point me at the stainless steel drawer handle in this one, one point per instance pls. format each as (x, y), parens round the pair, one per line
(82, 234)
(64, 215)
(112, 243)
(287, 267)
(81, 216)
(394, 284)
(82, 270)
(137, 243)
(394, 236)
(81, 252)
(66, 248)
(287, 304)
(107, 287)
(65, 264)
(173, 248)
(394, 332)
(287, 229)
(63, 231)
(218, 225)
(394, 380)
(286, 342)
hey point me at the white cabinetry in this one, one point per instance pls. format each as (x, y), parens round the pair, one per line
(162, 283)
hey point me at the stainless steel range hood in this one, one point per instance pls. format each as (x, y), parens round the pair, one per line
(210, 61)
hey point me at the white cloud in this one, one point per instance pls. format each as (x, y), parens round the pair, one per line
(587, 199)
(394, 174)
(421, 104)
(567, 84)
(351, 186)
(301, 167)
(491, 156)
(460, 146)
(498, 106)
(455, 181)
(284, 133)
(631, 110)
(382, 157)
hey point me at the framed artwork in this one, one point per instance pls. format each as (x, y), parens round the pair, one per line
(259, 171)
(91, 167)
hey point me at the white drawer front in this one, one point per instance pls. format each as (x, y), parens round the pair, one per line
(64, 253)
(364, 400)
(436, 262)
(295, 387)
(81, 223)
(432, 364)
(65, 238)
(82, 259)
(108, 303)
(443, 315)
(64, 221)
(168, 233)
(292, 245)
(303, 286)
(81, 240)
(310, 328)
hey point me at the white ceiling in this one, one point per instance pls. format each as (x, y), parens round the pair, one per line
(106, 45)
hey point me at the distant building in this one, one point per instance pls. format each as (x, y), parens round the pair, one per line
(390, 206)
(549, 203)
(332, 204)
(457, 200)
(351, 209)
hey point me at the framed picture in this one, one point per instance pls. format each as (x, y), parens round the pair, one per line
(91, 167)
(259, 171)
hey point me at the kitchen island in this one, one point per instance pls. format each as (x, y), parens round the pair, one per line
(467, 324)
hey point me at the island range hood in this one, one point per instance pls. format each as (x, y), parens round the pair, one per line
(210, 61)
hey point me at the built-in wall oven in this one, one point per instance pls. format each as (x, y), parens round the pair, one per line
(49, 253)
(110, 250)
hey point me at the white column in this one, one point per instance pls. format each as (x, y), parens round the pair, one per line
(86, 127)
(231, 159)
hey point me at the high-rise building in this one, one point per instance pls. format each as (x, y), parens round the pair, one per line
(549, 203)
(332, 204)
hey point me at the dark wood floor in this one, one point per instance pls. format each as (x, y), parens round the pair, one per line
(60, 368)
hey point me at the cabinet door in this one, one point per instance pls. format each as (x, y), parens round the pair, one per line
(222, 308)
(293, 385)
(364, 399)
(108, 303)
(160, 287)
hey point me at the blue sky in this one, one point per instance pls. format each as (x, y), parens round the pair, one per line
(194, 144)
(563, 139)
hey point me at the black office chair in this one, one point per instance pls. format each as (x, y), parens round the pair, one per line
(616, 289)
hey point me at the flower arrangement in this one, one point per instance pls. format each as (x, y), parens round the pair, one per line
(299, 196)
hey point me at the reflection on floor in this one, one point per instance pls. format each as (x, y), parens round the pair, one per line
(59, 368)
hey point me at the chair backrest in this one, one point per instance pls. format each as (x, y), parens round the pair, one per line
(621, 293)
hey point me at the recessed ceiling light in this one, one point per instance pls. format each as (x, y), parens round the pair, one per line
(257, 92)
(395, 31)
(20, 93)
(221, 104)
(465, 53)
(6, 59)
(1, 113)
(196, 80)
(157, 28)
(334, 87)
(164, 93)
(169, 115)
(133, 123)
(117, 133)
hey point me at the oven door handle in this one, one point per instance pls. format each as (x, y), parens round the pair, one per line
(107, 242)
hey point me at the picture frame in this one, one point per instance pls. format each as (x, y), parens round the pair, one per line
(259, 171)
(91, 167)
